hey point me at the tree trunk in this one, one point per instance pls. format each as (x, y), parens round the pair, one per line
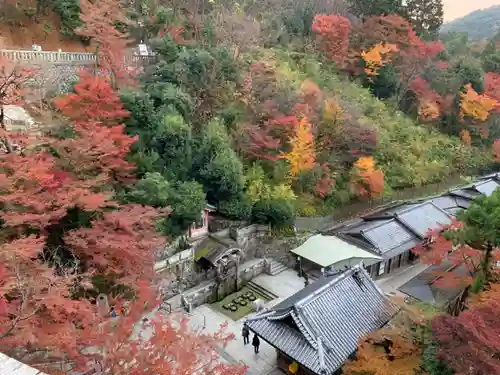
(5, 139)
(486, 263)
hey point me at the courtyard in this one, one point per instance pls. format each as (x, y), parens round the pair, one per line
(209, 318)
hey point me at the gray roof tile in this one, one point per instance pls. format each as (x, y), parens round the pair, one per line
(388, 235)
(320, 327)
(445, 202)
(424, 217)
(487, 187)
(466, 193)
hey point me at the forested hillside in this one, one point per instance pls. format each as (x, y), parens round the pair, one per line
(479, 25)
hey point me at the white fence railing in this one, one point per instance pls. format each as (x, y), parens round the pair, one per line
(62, 57)
(48, 56)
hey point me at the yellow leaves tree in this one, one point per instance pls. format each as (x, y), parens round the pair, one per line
(476, 106)
(367, 179)
(376, 57)
(428, 111)
(465, 137)
(395, 349)
(302, 155)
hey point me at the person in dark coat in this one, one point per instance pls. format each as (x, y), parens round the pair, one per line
(256, 343)
(245, 332)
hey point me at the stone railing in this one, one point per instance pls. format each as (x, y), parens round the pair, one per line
(55, 57)
(49, 56)
(12, 367)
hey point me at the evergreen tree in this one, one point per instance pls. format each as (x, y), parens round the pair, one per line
(367, 8)
(426, 16)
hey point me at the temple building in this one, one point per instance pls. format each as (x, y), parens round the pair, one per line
(316, 330)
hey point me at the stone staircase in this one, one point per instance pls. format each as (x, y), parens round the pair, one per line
(260, 291)
(276, 267)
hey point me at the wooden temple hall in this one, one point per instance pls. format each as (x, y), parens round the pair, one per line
(316, 330)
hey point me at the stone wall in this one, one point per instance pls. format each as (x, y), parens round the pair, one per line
(206, 291)
(250, 235)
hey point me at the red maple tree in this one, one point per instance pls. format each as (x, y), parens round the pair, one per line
(492, 87)
(39, 187)
(97, 115)
(100, 18)
(332, 36)
(469, 343)
(429, 101)
(47, 288)
(455, 266)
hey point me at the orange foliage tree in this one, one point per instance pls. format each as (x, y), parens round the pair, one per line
(465, 137)
(429, 102)
(474, 105)
(377, 56)
(367, 179)
(395, 349)
(302, 155)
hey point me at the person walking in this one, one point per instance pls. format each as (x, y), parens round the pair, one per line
(256, 343)
(245, 332)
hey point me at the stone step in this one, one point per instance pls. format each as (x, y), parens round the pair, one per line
(260, 290)
(276, 268)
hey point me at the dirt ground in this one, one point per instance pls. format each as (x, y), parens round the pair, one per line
(17, 31)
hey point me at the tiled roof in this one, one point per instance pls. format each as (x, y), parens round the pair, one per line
(388, 235)
(320, 326)
(422, 287)
(398, 227)
(424, 217)
(450, 203)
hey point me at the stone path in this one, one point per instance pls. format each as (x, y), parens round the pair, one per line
(392, 283)
(209, 320)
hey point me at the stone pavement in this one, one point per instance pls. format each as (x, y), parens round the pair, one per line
(390, 284)
(209, 320)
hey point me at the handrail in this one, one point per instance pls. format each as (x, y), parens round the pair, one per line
(59, 57)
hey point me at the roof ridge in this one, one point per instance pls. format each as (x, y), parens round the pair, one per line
(318, 292)
(304, 329)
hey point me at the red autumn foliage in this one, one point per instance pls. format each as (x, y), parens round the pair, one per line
(12, 85)
(93, 99)
(492, 88)
(38, 188)
(45, 289)
(267, 141)
(99, 25)
(386, 29)
(325, 185)
(102, 143)
(454, 266)
(160, 345)
(332, 36)
(414, 55)
(429, 101)
(101, 246)
(469, 343)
